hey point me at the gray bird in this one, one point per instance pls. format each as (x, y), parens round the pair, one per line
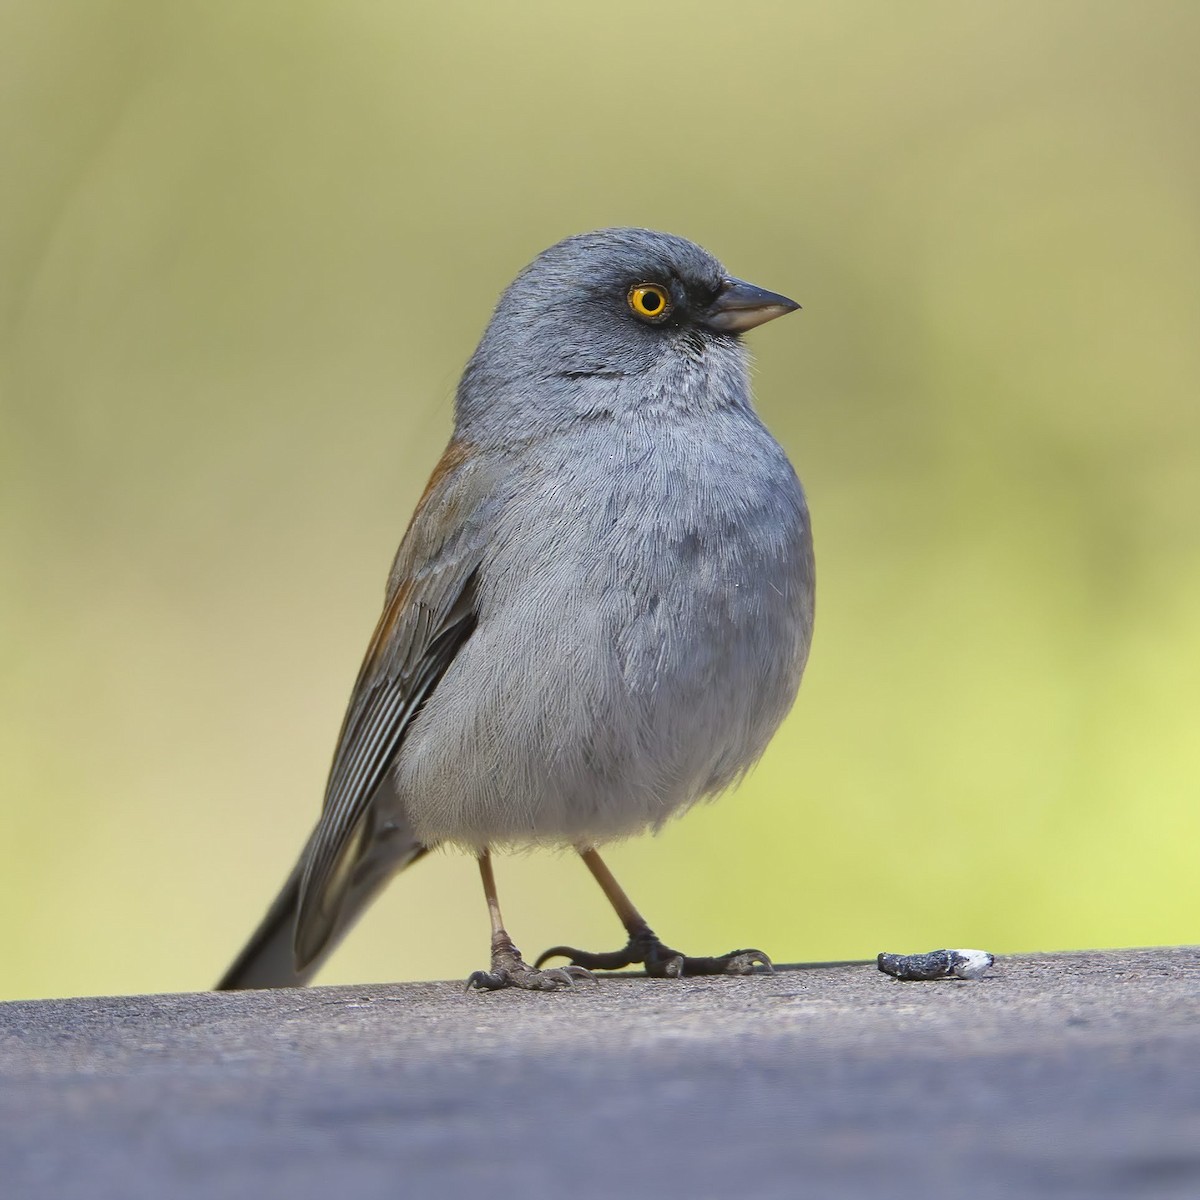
(599, 613)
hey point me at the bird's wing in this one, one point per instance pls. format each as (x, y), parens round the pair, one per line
(428, 616)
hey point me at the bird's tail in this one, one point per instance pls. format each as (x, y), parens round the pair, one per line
(268, 960)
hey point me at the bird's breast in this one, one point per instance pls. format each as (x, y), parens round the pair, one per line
(676, 561)
(645, 606)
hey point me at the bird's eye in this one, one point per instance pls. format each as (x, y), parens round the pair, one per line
(649, 301)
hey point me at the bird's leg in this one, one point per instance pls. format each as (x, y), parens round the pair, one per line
(644, 946)
(509, 969)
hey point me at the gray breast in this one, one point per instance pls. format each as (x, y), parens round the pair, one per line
(632, 655)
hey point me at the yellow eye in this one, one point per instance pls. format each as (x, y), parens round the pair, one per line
(649, 301)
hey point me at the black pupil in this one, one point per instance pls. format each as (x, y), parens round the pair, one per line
(652, 302)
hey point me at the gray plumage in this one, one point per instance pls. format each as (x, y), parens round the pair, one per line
(601, 610)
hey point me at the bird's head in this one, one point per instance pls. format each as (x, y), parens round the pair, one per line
(606, 321)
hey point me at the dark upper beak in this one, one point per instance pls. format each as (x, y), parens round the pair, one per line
(740, 306)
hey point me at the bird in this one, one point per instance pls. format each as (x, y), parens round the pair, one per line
(598, 616)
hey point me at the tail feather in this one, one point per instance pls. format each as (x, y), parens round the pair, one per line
(268, 960)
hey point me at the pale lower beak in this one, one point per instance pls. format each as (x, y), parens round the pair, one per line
(740, 306)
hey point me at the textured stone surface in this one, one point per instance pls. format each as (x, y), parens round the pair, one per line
(1056, 1075)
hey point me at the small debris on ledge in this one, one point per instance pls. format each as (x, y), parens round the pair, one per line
(937, 964)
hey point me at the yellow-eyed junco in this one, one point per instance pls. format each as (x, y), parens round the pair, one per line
(599, 613)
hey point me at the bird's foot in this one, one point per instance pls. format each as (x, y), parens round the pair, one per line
(660, 961)
(509, 969)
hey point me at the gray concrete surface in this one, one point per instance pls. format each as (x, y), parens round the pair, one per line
(1056, 1075)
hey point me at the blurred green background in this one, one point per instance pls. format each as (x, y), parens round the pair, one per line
(245, 249)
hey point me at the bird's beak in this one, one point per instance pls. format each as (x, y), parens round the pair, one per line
(740, 306)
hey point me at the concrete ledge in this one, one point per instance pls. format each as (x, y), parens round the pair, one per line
(1056, 1075)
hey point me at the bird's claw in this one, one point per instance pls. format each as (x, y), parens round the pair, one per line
(510, 970)
(660, 961)
(743, 962)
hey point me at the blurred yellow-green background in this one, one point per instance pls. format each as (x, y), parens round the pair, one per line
(245, 248)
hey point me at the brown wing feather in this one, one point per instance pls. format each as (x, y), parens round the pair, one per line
(429, 614)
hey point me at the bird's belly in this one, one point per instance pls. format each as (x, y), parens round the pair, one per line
(617, 675)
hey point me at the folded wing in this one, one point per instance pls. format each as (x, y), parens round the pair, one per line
(429, 615)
